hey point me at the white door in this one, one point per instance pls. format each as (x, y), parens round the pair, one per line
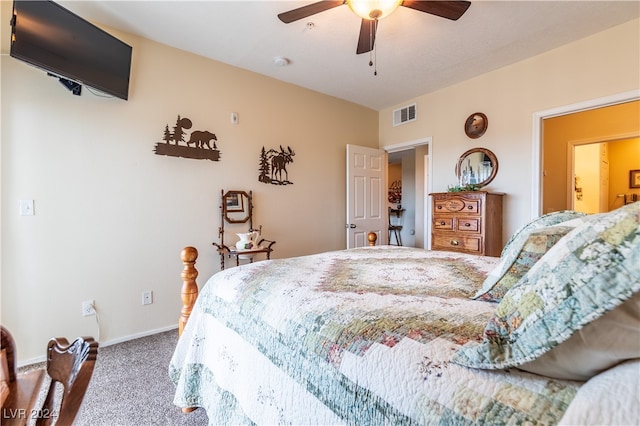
(366, 195)
(604, 178)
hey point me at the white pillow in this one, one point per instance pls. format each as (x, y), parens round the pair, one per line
(610, 398)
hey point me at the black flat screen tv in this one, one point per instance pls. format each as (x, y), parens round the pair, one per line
(50, 37)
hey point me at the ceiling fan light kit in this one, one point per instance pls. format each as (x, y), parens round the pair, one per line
(375, 9)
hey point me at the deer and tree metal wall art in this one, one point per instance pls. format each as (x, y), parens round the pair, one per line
(273, 164)
(203, 141)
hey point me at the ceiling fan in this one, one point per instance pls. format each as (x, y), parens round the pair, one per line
(372, 11)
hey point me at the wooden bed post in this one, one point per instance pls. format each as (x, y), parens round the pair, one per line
(372, 237)
(189, 291)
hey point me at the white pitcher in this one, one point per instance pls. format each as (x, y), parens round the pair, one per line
(248, 240)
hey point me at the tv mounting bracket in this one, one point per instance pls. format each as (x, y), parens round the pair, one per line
(72, 86)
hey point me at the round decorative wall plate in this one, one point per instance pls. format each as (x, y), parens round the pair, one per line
(476, 125)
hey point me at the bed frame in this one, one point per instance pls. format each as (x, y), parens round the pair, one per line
(189, 292)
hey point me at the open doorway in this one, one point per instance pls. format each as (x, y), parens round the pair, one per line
(409, 169)
(601, 173)
(402, 197)
(590, 169)
(597, 121)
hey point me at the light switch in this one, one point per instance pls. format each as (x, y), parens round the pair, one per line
(234, 118)
(26, 208)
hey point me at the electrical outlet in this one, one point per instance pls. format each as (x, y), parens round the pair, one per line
(88, 308)
(147, 297)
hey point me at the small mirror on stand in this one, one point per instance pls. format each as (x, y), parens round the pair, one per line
(236, 209)
(477, 167)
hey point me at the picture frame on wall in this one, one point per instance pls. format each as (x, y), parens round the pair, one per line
(634, 178)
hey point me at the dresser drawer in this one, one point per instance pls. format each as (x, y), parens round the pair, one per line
(467, 224)
(457, 243)
(457, 205)
(443, 223)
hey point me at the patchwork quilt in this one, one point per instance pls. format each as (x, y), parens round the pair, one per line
(362, 337)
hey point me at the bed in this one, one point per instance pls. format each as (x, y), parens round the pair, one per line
(548, 333)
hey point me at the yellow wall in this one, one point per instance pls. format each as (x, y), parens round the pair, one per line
(626, 156)
(597, 125)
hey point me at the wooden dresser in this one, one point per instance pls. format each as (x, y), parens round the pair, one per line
(469, 222)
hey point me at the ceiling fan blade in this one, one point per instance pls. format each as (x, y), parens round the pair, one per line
(308, 10)
(367, 37)
(446, 9)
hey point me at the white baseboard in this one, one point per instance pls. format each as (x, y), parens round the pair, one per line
(138, 335)
(43, 358)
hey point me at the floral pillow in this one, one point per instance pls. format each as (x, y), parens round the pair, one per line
(537, 244)
(592, 270)
(549, 219)
(517, 241)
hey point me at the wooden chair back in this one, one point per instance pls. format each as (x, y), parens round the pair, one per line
(8, 345)
(71, 365)
(18, 391)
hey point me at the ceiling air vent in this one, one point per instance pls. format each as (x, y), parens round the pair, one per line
(404, 115)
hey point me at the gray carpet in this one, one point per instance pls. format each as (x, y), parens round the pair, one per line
(131, 386)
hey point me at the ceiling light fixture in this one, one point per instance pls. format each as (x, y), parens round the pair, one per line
(373, 9)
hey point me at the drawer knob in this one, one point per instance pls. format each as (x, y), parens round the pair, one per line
(470, 207)
(467, 224)
(439, 207)
(454, 243)
(442, 223)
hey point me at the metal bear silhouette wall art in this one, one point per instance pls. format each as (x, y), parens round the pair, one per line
(174, 145)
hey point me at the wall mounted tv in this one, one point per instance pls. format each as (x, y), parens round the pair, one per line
(58, 41)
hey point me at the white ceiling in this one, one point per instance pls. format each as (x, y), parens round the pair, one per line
(416, 53)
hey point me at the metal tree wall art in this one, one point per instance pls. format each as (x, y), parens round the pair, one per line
(273, 164)
(203, 141)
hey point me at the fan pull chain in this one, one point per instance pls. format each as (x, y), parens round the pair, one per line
(372, 49)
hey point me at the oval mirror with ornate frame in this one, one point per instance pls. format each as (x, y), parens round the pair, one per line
(477, 166)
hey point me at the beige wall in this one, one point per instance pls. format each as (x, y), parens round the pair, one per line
(578, 72)
(111, 216)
